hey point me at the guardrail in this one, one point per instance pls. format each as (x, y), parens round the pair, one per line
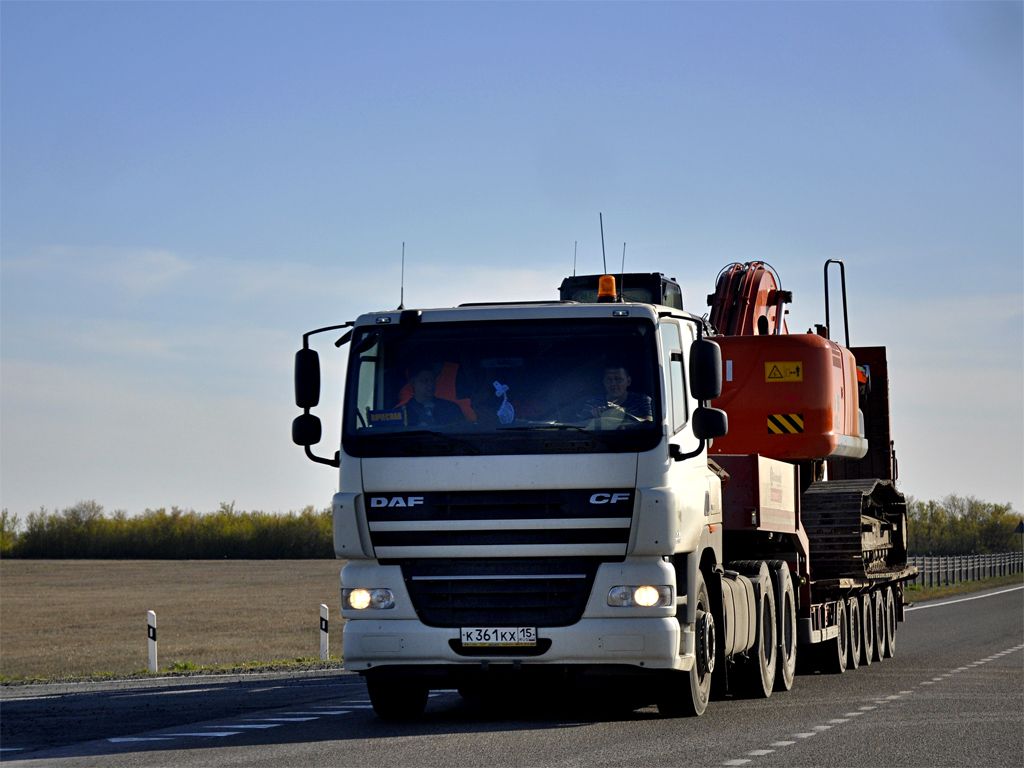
(943, 570)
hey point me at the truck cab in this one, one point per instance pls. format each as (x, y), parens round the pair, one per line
(502, 514)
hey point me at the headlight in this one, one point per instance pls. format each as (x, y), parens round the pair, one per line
(360, 599)
(644, 596)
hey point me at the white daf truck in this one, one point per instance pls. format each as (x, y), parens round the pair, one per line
(507, 512)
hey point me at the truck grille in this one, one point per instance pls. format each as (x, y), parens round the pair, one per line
(478, 524)
(536, 592)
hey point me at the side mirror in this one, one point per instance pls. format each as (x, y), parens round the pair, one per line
(306, 430)
(307, 380)
(705, 370)
(709, 423)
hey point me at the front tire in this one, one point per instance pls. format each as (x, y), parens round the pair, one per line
(690, 699)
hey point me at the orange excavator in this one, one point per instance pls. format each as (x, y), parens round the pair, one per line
(806, 400)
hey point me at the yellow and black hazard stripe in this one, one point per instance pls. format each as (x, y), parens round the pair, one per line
(785, 423)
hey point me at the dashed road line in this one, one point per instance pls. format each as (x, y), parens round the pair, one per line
(208, 734)
(865, 709)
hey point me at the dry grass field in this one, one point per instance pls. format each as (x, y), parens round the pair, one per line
(69, 618)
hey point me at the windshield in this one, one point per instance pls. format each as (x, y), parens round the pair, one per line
(503, 387)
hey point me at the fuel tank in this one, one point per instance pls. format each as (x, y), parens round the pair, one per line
(789, 397)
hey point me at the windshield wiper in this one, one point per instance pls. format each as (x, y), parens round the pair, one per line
(529, 427)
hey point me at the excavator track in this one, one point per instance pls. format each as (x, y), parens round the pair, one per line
(857, 529)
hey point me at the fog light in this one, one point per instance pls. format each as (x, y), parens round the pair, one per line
(361, 599)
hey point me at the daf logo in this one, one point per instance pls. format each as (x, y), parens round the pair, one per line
(396, 501)
(608, 498)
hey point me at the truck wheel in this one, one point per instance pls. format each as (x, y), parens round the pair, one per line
(880, 628)
(835, 649)
(397, 698)
(691, 699)
(757, 674)
(890, 623)
(785, 606)
(867, 636)
(856, 628)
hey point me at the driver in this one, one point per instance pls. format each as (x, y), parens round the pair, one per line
(618, 397)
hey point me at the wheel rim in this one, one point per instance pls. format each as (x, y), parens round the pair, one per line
(705, 642)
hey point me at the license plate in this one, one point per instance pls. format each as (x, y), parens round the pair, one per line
(497, 636)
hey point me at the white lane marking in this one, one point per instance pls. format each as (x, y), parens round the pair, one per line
(760, 752)
(322, 712)
(13, 749)
(853, 714)
(258, 725)
(962, 599)
(736, 762)
(820, 728)
(279, 719)
(129, 739)
(214, 734)
(805, 735)
(867, 708)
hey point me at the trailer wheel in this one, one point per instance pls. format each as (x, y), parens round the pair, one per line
(890, 623)
(397, 698)
(692, 700)
(853, 644)
(878, 606)
(867, 637)
(834, 650)
(785, 607)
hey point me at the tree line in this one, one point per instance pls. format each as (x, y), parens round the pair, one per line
(85, 531)
(955, 525)
(961, 525)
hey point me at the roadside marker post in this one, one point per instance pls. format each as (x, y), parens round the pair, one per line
(151, 631)
(324, 645)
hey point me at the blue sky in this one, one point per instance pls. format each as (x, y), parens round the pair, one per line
(185, 188)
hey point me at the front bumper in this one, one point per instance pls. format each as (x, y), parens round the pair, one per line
(645, 643)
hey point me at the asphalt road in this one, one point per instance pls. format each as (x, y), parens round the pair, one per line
(953, 696)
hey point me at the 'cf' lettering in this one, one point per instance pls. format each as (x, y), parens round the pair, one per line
(608, 498)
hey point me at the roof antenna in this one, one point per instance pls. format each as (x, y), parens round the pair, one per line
(574, 244)
(401, 295)
(622, 274)
(600, 218)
